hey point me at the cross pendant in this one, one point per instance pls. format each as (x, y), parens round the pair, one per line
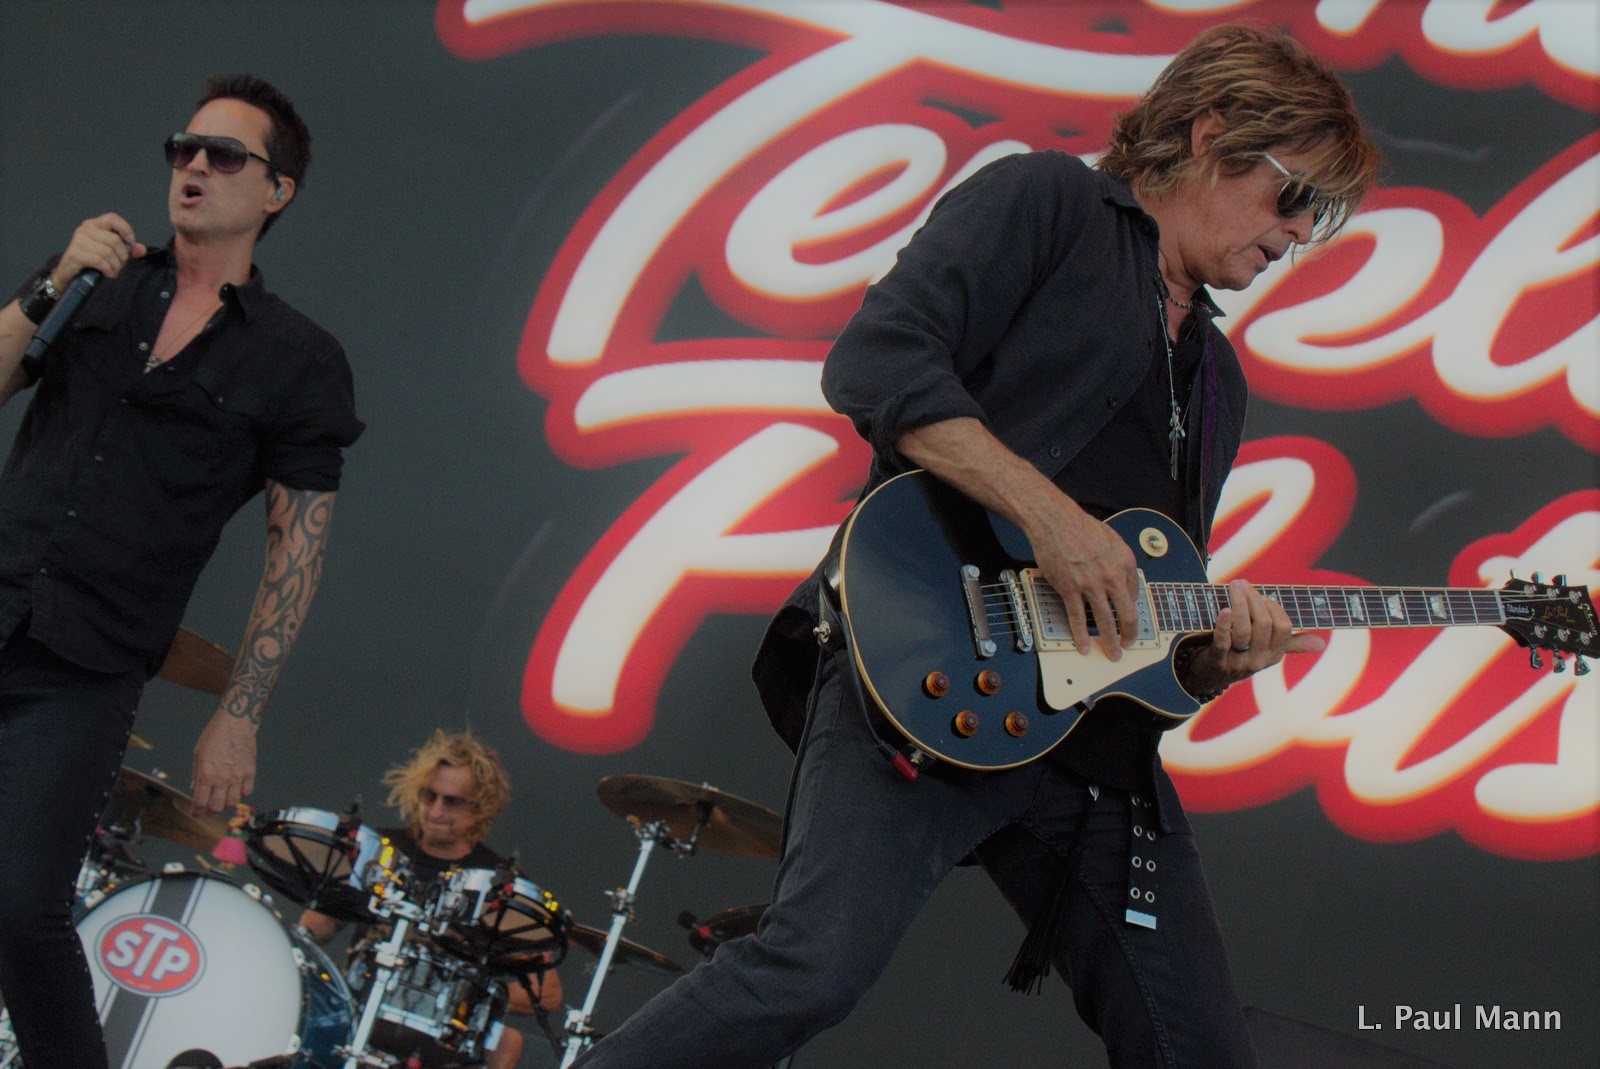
(1175, 435)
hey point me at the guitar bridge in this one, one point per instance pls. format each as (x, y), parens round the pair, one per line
(977, 613)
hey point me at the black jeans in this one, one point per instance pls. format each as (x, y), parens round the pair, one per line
(63, 730)
(865, 850)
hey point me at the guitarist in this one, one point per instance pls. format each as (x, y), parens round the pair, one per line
(1046, 345)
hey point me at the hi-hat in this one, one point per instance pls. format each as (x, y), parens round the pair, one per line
(627, 953)
(714, 820)
(197, 663)
(161, 809)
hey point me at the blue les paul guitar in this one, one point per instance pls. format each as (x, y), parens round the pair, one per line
(965, 650)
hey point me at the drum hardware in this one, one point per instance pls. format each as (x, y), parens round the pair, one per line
(696, 814)
(329, 862)
(579, 1026)
(705, 936)
(167, 954)
(143, 803)
(628, 952)
(388, 958)
(681, 817)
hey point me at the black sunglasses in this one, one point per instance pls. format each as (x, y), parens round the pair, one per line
(1297, 196)
(226, 154)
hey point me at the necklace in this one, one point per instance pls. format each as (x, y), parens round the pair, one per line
(1186, 307)
(1175, 430)
(185, 336)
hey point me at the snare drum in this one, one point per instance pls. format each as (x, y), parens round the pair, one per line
(502, 920)
(187, 960)
(322, 860)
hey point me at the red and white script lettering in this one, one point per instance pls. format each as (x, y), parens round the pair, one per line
(787, 189)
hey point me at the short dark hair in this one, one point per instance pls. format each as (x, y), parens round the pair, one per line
(288, 140)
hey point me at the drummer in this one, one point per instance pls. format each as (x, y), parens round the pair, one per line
(449, 795)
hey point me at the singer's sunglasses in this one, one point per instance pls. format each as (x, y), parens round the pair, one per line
(1297, 196)
(226, 154)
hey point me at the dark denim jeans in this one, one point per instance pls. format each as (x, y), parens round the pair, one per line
(63, 730)
(865, 850)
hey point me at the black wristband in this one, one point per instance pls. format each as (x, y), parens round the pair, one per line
(37, 304)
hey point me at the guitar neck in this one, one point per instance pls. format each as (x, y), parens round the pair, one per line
(1195, 606)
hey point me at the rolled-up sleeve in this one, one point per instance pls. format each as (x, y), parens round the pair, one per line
(305, 449)
(928, 327)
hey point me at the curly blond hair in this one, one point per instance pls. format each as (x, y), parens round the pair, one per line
(461, 749)
(1270, 93)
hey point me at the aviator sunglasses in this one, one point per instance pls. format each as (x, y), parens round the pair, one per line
(226, 154)
(1297, 196)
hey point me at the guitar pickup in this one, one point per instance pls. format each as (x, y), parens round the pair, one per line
(1050, 613)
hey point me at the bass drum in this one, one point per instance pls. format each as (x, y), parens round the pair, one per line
(186, 961)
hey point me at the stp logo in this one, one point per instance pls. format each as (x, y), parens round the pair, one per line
(151, 955)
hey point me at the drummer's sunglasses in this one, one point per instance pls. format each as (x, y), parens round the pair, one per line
(226, 154)
(1296, 196)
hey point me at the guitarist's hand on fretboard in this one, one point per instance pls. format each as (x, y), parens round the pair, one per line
(1252, 633)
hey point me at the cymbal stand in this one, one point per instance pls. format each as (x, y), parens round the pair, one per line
(580, 1032)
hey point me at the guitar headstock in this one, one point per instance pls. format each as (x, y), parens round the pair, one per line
(1553, 617)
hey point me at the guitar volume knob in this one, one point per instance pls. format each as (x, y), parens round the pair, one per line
(1017, 723)
(936, 684)
(987, 682)
(965, 723)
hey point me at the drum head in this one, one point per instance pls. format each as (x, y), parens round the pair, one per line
(188, 961)
(317, 859)
(516, 926)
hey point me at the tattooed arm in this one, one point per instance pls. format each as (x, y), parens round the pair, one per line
(225, 755)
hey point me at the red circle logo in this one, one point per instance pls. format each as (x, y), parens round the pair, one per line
(151, 955)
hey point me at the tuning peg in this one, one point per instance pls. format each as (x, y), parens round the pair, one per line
(1560, 580)
(1559, 666)
(1580, 667)
(1534, 660)
(1538, 577)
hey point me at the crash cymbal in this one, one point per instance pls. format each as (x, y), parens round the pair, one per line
(732, 825)
(627, 953)
(197, 663)
(705, 936)
(161, 809)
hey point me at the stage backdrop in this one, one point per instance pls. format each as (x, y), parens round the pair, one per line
(586, 258)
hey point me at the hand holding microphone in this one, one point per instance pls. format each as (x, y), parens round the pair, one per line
(100, 246)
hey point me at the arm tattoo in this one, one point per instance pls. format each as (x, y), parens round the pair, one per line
(297, 530)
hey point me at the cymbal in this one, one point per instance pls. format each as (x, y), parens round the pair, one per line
(705, 936)
(627, 953)
(197, 663)
(732, 825)
(161, 809)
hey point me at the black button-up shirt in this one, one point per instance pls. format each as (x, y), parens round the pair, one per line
(120, 480)
(1028, 300)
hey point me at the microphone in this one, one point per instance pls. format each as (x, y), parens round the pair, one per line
(45, 336)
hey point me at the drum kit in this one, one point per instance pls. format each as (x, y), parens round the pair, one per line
(197, 967)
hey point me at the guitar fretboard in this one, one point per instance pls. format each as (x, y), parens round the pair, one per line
(1195, 606)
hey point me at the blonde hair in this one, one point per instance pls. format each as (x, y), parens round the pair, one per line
(1269, 93)
(491, 787)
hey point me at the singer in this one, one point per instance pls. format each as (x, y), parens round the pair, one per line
(177, 390)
